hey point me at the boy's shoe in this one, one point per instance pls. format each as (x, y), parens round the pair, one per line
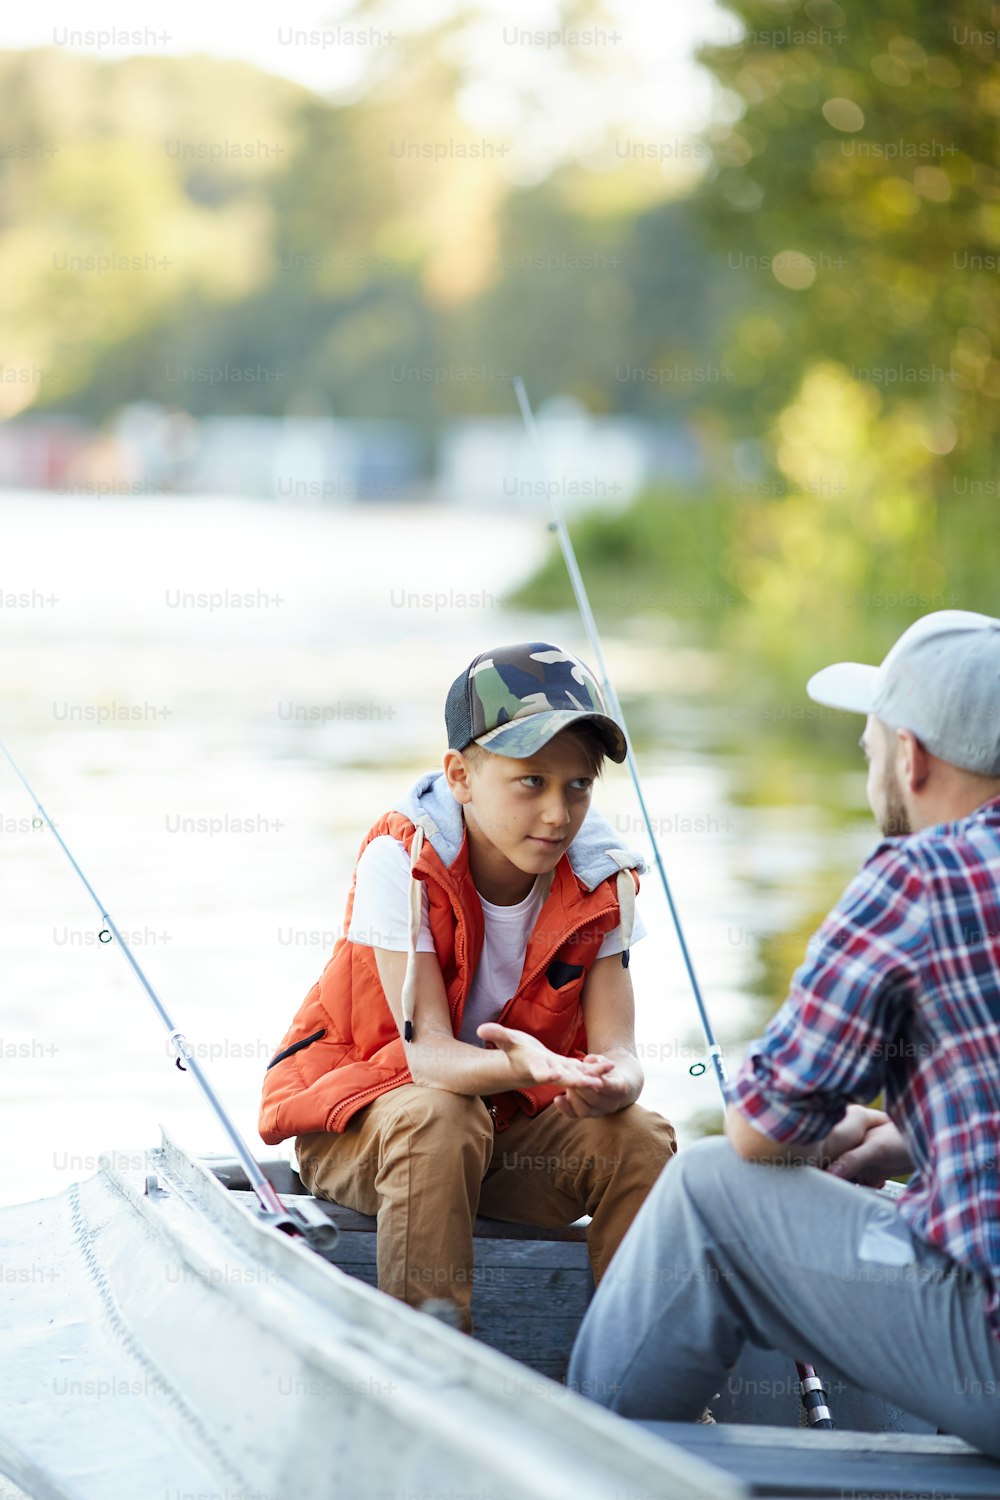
(444, 1310)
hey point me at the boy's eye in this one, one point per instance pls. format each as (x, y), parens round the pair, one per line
(578, 784)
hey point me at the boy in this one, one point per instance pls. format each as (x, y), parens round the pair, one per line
(470, 1045)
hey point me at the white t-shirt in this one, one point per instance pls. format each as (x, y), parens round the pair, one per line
(380, 919)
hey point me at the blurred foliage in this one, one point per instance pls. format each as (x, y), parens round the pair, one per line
(854, 197)
(671, 552)
(859, 174)
(824, 301)
(784, 585)
(860, 169)
(322, 247)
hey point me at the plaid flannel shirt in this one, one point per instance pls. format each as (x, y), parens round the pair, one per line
(900, 991)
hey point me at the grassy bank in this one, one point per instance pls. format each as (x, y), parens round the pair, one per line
(779, 586)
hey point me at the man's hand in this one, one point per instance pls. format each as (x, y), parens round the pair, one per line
(528, 1057)
(866, 1147)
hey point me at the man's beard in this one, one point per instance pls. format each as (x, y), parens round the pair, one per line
(895, 821)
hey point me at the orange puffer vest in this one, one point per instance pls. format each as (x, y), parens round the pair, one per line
(343, 1048)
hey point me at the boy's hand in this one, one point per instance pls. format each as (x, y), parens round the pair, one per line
(532, 1062)
(617, 1091)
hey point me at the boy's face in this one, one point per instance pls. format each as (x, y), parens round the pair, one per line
(522, 815)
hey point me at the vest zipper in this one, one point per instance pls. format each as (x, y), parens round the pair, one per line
(461, 953)
(460, 949)
(377, 1088)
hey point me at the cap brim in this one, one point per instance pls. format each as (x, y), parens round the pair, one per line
(521, 738)
(847, 684)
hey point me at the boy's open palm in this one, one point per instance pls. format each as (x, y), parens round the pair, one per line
(528, 1056)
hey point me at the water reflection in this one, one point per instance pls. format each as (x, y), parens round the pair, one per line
(214, 699)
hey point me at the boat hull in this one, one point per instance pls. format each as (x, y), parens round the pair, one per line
(167, 1341)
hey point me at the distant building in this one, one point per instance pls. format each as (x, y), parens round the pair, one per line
(484, 462)
(40, 453)
(589, 461)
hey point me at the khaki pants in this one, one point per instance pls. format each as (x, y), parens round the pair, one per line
(425, 1161)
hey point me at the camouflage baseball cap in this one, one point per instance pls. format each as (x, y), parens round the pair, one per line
(515, 699)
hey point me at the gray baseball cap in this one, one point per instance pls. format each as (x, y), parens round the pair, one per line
(941, 680)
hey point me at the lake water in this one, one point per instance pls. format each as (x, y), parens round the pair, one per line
(214, 699)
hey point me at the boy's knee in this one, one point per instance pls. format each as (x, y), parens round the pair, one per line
(647, 1132)
(454, 1116)
(634, 1138)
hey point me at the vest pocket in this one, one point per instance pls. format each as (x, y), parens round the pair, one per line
(295, 1047)
(559, 973)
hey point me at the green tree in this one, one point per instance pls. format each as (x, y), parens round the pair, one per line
(856, 190)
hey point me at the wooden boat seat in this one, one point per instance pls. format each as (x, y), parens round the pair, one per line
(543, 1273)
(780, 1462)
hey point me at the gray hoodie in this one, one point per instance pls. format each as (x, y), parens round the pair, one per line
(593, 855)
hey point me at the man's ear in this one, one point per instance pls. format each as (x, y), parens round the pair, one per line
(456, 773)
(912, 760)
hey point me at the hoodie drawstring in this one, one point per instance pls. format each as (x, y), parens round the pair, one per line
(413, 932)
(625, 885)
(626, 897)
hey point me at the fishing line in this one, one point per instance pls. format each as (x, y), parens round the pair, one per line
(813, 1395)
(275, 1211)
(580, 592)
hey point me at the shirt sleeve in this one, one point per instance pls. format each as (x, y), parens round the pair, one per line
(381, 914)
(613, 940)
(826, 1047)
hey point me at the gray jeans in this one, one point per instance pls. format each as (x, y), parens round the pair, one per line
(789, 1258)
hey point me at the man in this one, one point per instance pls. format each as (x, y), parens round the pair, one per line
(899, 992)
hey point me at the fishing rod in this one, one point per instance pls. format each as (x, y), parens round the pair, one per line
(558, 525)
(290, 1221)
(813, 1394)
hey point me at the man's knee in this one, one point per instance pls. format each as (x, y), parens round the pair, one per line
(706, 1160)
(704, 1174)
